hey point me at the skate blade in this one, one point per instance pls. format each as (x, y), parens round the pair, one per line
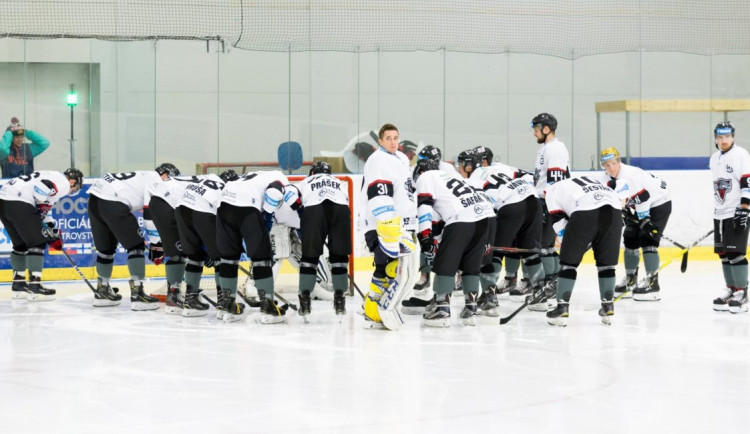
(439, 323)
(742, 309)
(412, 310)
(627, 295)
(538, 307)
(492, 312)
(606, 320)
(190, 313)
(470, 321)
(230, 317)
(306, 318)
(40, 297)
(391, 319)
(172, 310)
(139, 306)
(220, 315)
(518, 298)
(271, 319)
(19, 295)
(106, 303)
(560, 322)
(646, 297)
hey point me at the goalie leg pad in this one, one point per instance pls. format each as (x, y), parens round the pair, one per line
(377, 286)
(399, 289)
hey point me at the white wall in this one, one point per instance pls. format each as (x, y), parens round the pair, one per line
(187, 102)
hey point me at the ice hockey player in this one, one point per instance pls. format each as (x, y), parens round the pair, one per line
(163, 236)
(112, 200)
(730, 171)
(196, 224)
(468, 214)
(647, 208)
(552, 165)
(389, 221)
(586, 212)
(25, 204)
(246, 214)
(324, 205)
(518, 224)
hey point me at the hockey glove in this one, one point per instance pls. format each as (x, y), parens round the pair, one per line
(209, 262)
(629, 216)
(740, 218)
(268, 218)
(648, 230)
(50, 232)
(389, 234)
(156, 253)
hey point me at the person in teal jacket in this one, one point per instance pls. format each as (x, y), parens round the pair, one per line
(17, 155)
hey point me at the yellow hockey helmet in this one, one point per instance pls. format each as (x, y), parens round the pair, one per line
(609, 154)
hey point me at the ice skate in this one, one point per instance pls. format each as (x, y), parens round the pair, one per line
(721, 303)
(173, 303)
(540, 303)
(416, 305)
(506, 285)
(422, 285)
(37, 292)
(221, 297)
(139, 300)
(607, 311)
(270, 311)
(438, 312)
(559, 315)
(20, 288)
(627, 286)
(105, 295)
(233, 311)
(370, 303)
(650, 292)
(193, 306)
(469, 312)
(305, 306)
(521, 291)
(738, 302)
(488, 304)
(339, 302)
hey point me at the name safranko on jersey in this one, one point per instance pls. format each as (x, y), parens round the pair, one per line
(325, 183)
(472, 200)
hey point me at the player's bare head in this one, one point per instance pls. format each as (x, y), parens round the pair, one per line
(610, 161)
(388, 138)
(544, 125)
(724, 135)
(75, 177)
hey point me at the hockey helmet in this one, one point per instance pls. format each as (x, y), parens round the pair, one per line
(468, 159)
(431, 153)
(75, 175)
(484, 154)
(229, 175)
(723, 128)
(609, 154)
(320, 167)
(544, 119)
(168, 168)
(424, 165)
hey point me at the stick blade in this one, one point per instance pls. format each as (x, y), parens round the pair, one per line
(683, 265)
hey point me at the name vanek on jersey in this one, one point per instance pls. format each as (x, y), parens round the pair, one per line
(203, 194)
(730, 172)
(452, 197)
(126, 187)
(250, 188)
(388, 190)
(552, 165)
(577, 194)
(22, 188)
(504, 184)
(640, 188)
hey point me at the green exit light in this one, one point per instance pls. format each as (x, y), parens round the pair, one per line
(72, 99)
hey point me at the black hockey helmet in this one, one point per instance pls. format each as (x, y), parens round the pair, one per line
(168, 168)
(424, 165)
(544, 119)
(229, 175)
(431, 153)
(468, 158)
(320, 167)
(485, 154)
(76, 175)
(723, 128)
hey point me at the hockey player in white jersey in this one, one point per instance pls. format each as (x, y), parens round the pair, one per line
(246, 213)
(730, 171)
(323, 203)
(195, 215)
(468, 214)
(389, 221)
(552, 165)
(647, 210)
(518, 224)
(585, 211)
(25, 203)
(112, 200)
(164, 238)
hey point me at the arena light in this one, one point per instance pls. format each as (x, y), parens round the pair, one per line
(72, 96)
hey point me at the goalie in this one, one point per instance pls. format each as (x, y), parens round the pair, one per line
(390, 221)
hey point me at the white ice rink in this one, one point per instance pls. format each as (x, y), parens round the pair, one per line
(669, 366)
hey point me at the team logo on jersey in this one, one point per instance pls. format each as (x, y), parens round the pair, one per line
(598, 196)
(478, 209)
(721, 188)
(729, 169)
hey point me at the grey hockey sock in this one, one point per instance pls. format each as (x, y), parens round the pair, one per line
(18, 263)
(471, 283)
(548, 262)
(651, 261)
(534, 273)
(489, 278)
(565, 288)
(35, 263)
(340, 282)
(193, 279)
(444, 284)
(137, 268)
(511, 266)
(606, 287)
(727, 270)
(632, 258)
(104, 270)
(306, 282)
(175, 272)
(266, 284)
(739, 272)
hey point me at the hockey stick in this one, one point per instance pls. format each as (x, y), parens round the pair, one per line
(536, 296)
(80, 273)
(683, 265)
(682, 253)
(211, 302)
(276, 294)
(515, 250)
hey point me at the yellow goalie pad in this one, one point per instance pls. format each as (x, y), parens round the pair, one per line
(390, 230)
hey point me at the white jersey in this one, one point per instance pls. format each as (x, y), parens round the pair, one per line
(730, 172)
(250, 189)
(578, 194)
(447, 167)
(128, 187)
(203, 194)
(172, 189)
(388, 190)
(318, 188)
(22, 188)
(552, 165)
(504, 184)
(452, 197)
(639, 188)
